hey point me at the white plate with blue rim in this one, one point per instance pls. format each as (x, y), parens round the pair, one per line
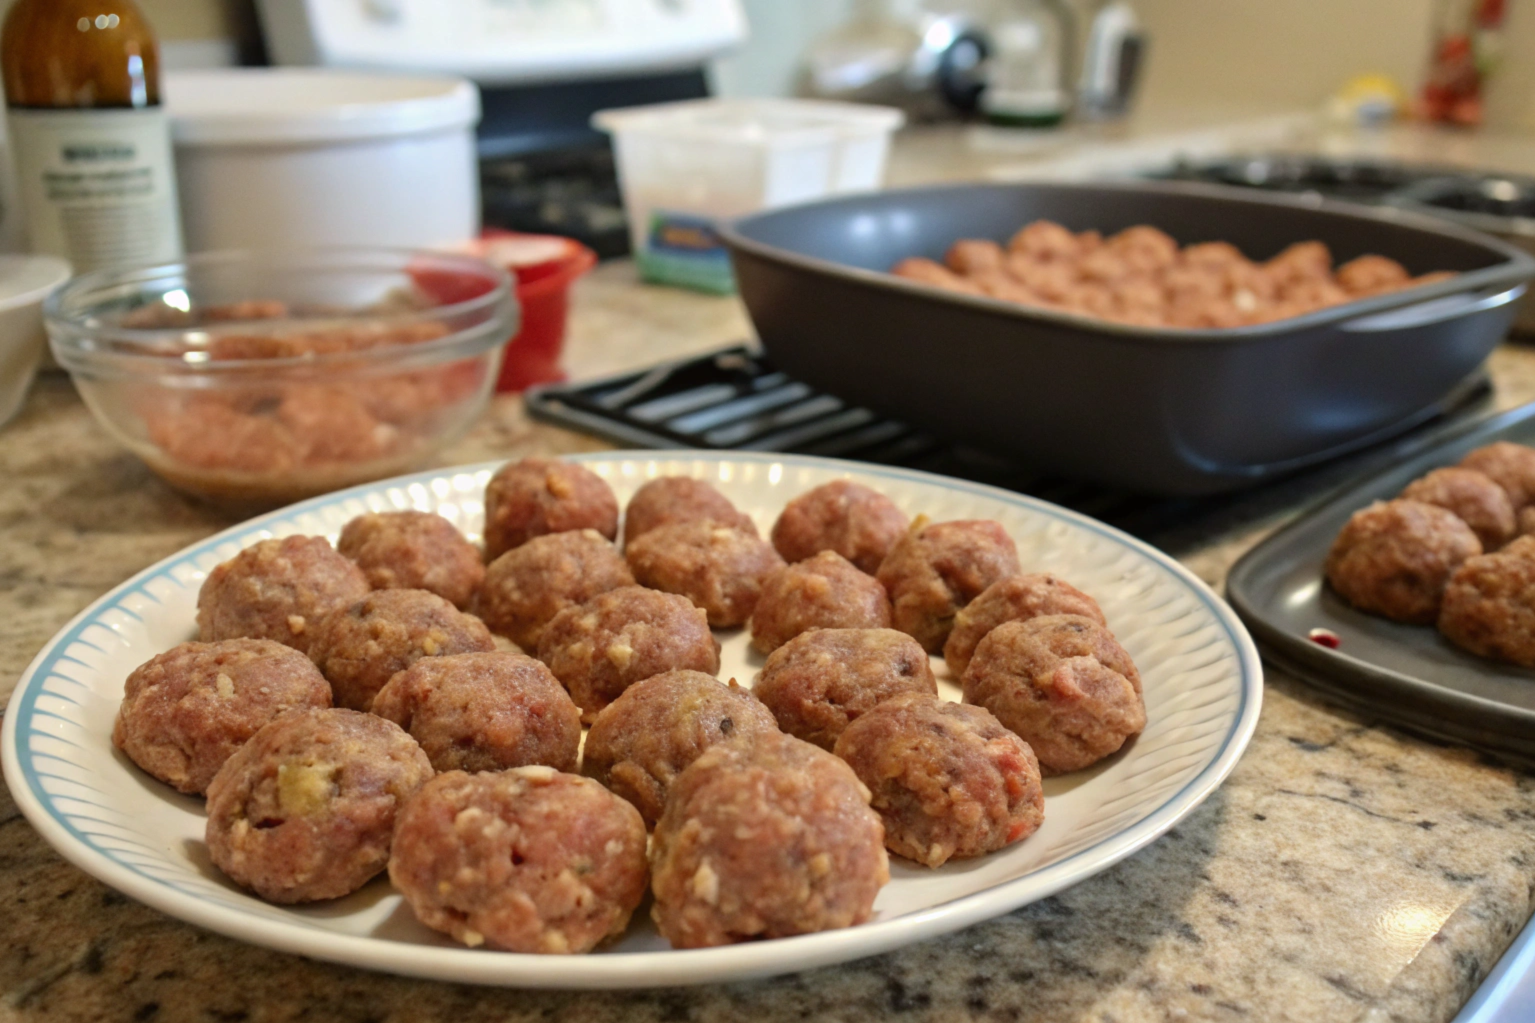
(1200, 670)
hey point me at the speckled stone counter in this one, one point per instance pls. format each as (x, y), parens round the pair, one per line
(1345, 872)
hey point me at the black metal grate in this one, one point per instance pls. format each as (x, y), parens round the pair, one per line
(736, 400)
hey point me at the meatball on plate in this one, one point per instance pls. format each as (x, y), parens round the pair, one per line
(769, 853)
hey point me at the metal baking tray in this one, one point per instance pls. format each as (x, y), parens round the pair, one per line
(1148, 409)
(1407, 674)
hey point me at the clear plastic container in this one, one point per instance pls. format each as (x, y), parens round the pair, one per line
(685, 166)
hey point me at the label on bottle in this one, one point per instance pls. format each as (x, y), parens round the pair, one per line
(98, 187)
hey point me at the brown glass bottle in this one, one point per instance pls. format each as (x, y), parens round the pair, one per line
(91, 141)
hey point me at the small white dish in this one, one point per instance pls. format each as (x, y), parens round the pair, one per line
(1200, 670)
(24, 282)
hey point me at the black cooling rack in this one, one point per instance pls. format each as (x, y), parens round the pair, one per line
(734, 399)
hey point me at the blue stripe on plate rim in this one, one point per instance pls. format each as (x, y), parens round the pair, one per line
(626, 969)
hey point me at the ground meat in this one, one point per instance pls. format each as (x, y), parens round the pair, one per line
(1489, 604)
(819, 682)
(306, 808)
(645, 738)
(858, 523)
(949, 780)
(602, 647)
(414, 550)
(1063, 684)
(278, 590)
(1394, 557)
(360, 647)
(718, 568)
(528, 585)
(484, 712)
(1014, 599)
(764, 840)
(1511, 466)
(823, 592)
(538, 496)
(672, 499)
(935, 570)
(526, 860)
(185, 711)
(1474, 499)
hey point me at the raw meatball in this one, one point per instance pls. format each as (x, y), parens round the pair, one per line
(819, 682)
(528, 585)
(1511, 466)
(360, 647)
(279, 590)
(764, 840)
(718, 568)
(670, 499)
(414, 550)
(187, 710)
(526, 860)
(1014, 599)
(935, 570)
(948, 779)
(1063, 684)
(858, 523)
(1473, 497)
(306, 808)
(602, 647)
(645, 738)
(1489, 604)
(1394, 557)
(537, 496)
(823, 592)
(484, 712)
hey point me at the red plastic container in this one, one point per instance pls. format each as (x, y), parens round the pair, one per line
(545, 266)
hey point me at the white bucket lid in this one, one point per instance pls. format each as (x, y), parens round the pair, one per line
(265, 106)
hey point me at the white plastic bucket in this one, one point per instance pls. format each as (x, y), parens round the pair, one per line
(282, 157)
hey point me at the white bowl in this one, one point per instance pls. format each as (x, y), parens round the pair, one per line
(24, 282)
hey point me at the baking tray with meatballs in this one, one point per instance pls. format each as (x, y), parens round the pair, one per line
(1411, 595)
(704, 716)
(1089, 386)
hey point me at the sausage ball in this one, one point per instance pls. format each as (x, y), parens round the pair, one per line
(670, 499)
(1474, 499)
(1061, 683)
(817, 683)
(1046, 241)
(925, 271)
(484, 712)
(1371, 275)
(538, 496)
(764, 840)
(278, 590)
(1489, 604)
(1014, 599)
(1303, 261)
(602, 647)
(974, 256)
(948, 779)
(306, 808)
(1524, 522)
(526, 860)
(718, 568)
(935, 570)
(361, 646)
(414, 550)
(186, 711)
(823, 592)
(645, 738)
(1394, 557)
(1511, 466)
(528, 585)
(858, 523)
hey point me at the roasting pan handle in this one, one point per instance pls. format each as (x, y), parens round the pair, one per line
(1435, 310)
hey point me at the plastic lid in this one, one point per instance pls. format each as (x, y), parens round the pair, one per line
(751, 121)
(258, 106)
(28, 279)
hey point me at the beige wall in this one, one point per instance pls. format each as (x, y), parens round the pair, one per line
(1278, 52)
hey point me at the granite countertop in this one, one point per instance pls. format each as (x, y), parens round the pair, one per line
(1347, 871)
